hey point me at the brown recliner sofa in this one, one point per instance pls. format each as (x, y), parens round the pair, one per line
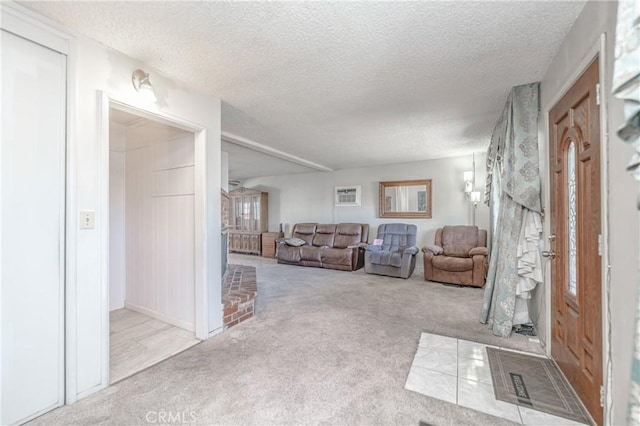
(459, 256)
(333, 246)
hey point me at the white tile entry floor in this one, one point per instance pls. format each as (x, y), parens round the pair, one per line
(137, 341)
(457, 371)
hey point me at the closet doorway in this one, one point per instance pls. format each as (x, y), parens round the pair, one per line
(152, 242)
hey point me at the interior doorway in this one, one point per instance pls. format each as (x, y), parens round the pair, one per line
(152, 242)
(576, 316)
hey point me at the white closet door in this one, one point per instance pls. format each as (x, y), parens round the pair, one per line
(32, 156)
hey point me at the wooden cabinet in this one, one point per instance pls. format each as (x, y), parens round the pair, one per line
(249, 219)
(224, 204)
(269, 243)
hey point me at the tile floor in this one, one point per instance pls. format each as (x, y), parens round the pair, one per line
(137, 341)
(457, 371)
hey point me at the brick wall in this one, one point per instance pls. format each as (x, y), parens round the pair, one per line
(238, 294)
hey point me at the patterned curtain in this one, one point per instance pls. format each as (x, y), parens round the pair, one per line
(514, 145)
(626, 86)
(495, 152)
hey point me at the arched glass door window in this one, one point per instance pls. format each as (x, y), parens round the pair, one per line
(571, 219)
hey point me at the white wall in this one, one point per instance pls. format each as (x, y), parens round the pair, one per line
(309, 197)
(224, 175)
(160, 235)
(117, 249)
(94, 68)
(596, 18)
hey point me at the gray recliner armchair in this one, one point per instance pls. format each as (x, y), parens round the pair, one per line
(396, 257)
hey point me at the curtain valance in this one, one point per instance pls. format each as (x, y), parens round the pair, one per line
(515, 143)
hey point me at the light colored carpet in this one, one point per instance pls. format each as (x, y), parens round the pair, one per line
(325, 347)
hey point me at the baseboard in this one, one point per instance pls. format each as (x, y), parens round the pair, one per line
(216, 331)
(90, 391)
(189, 326)
(120, 306)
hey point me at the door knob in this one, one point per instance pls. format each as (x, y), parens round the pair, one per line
(551, 254)
(551, 238)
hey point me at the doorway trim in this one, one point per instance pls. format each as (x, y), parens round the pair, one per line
(201, 300)
(598, 50)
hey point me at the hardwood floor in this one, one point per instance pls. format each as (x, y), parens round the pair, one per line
(137, 341)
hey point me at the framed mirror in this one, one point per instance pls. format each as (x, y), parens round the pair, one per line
(405, 199)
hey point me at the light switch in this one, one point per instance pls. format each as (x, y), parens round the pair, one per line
(87, 219)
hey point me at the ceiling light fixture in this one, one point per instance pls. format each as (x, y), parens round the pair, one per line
(142, 84)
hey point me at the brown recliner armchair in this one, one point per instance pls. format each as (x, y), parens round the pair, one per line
(459, 256)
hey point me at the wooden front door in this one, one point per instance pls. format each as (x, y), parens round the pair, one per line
(576, 341)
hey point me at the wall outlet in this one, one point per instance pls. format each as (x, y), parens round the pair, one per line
(87, 219)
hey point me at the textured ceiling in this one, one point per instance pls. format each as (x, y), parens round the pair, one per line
(246, 163)
(341, 84)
